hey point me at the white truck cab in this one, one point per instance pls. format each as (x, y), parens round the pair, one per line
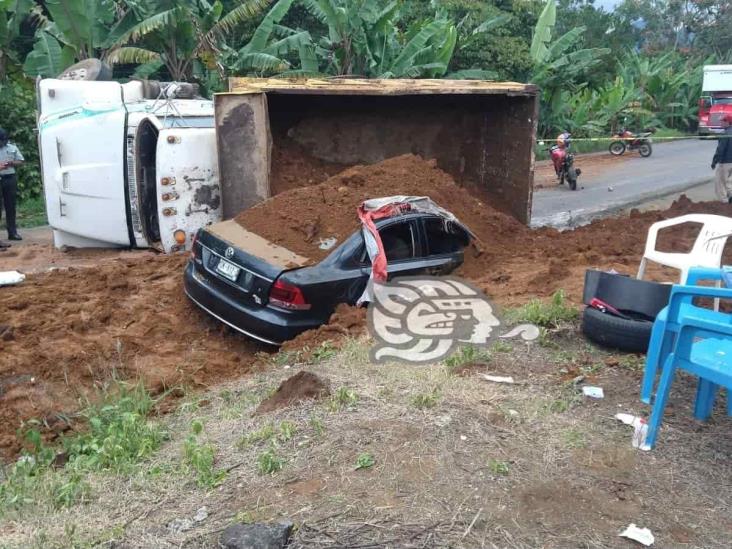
(122, 169)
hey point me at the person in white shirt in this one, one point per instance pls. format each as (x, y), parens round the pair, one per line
(10, 158)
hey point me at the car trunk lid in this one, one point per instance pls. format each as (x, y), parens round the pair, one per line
(244, 263)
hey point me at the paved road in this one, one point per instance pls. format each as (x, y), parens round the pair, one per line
(673, 167)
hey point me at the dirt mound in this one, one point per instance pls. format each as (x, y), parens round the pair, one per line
(300, 218)
(346, 321)
(302, 386)
(294, 167)
(71, 330)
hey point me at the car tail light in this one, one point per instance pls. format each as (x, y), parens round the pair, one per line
(287, 296)
(193, 245)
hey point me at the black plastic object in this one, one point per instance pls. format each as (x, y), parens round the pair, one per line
(612, 331)
(642, 298)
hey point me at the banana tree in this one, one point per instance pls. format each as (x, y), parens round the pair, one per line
(73, 30)
(12, 14)
(186, 37)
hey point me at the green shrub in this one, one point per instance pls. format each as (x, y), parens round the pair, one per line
(467, 355)
(201, 458)
(18, 107)
(268, 462)
(546, 315)
(119, 433)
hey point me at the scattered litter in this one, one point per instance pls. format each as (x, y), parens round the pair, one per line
(179, 525)
(327, 243)
(640, 427)
(463, 437)
(513, 413)
(201, 514)
(641, 535)
(443, 421)
(610, 189)
(498, 379)
(9, 278)
(593, 392)
(577, 380)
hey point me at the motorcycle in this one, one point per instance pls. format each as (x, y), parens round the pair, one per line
(625, 139)
(563, 161)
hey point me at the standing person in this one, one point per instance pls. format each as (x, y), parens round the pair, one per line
(722, 161)
(10, 158)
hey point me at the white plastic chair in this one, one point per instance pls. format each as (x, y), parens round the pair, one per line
(706, 252)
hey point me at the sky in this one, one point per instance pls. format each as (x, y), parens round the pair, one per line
(607, 5)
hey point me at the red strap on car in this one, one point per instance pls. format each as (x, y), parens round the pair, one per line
(367, 217)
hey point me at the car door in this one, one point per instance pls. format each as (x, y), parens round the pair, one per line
(443, 244)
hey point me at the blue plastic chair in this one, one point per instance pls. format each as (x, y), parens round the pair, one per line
(666, 325)
(703, 348)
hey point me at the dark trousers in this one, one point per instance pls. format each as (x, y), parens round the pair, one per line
(10, 193)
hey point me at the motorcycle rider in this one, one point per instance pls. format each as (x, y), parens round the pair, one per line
(722, 162)
(563, 142)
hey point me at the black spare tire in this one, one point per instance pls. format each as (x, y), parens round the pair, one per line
(608, 330)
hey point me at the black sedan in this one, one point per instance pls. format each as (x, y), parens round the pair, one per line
(270, 294)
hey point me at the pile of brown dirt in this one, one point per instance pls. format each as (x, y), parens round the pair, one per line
(69, 331)
(300, 387)
(346, 321)
(299, 218)
(293, 166)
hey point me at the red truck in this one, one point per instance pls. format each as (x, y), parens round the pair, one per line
(716, 99)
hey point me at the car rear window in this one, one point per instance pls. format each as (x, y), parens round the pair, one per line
(444, 238)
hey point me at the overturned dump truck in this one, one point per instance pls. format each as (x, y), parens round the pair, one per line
(482, 133)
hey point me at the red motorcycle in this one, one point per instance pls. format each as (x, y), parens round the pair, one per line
(563, 161)
(625, 139)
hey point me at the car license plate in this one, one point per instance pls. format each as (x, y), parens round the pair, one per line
(229, 270)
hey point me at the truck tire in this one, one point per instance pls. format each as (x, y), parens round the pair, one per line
(612, 331)
(89, 70)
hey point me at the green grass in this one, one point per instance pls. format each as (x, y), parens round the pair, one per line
(467, 355)
(201, 458)
(117, 437)
(498, 467)
(423, 401)
(551, 314)
(268, 462)
(364, 461)
(269, 433)
(343, 398)
(30, 213)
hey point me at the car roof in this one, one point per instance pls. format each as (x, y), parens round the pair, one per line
(415, 215)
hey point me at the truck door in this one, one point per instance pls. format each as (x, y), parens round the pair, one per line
(82, 136)
(189, 192)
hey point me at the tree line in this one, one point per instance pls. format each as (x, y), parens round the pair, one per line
(639, 64)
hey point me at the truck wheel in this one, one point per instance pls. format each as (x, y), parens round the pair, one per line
(645, 150)
(617, 148)
(611, 331)
(88, 69)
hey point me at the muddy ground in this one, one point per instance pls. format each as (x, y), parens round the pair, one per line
(66, 331)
